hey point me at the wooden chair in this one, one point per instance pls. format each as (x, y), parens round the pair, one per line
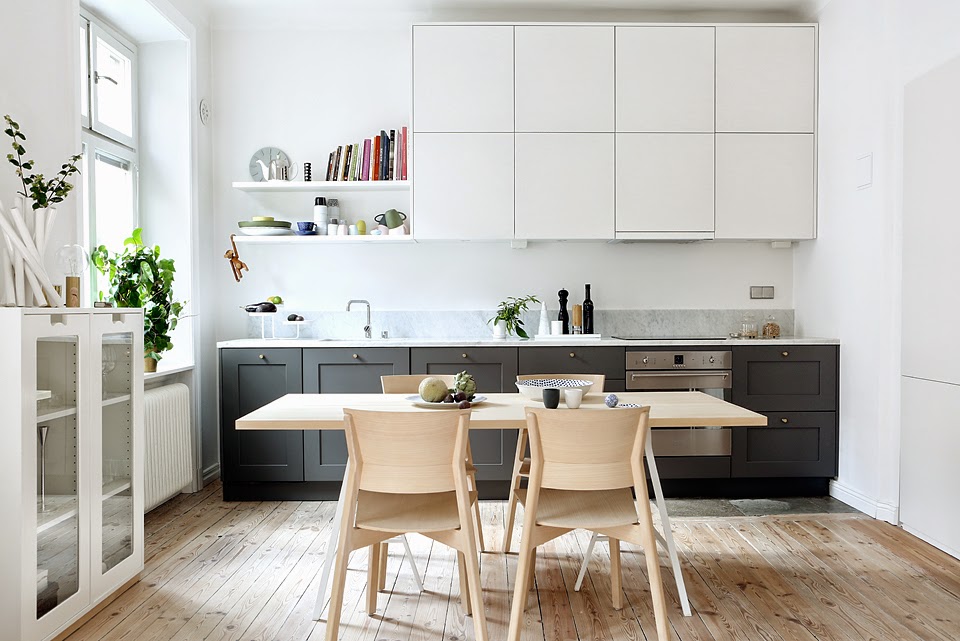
(582, 471)
(410, 384)
(521, 466)
(407, 473)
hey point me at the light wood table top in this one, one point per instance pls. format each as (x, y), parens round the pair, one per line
(500, 411)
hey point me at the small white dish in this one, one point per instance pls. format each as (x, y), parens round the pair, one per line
(416, 400)
(533, 388)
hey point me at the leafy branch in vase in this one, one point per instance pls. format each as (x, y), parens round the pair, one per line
(44, 193)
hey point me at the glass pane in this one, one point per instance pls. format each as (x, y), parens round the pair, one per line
(58, 534)
(84, 73)
(114, 82)
(113, 200)
(116, 494)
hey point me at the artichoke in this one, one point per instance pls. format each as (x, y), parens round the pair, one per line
(463, 382)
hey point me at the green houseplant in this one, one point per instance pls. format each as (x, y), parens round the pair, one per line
(508, 319)
(140, 278)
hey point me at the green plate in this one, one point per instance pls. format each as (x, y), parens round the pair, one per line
(264, 223)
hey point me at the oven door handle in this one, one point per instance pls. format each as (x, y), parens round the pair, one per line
(686, 374)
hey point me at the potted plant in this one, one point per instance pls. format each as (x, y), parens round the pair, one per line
(508, 319)
(140, 278)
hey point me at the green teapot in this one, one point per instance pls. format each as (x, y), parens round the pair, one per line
(391, 218)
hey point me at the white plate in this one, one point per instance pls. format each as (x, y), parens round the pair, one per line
(265, 231)
(416, 400)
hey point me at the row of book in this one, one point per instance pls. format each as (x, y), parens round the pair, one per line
(382, 157)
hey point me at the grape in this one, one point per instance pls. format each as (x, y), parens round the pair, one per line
(464, 405)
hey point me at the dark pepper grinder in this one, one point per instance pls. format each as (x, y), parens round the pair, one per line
(563, 317)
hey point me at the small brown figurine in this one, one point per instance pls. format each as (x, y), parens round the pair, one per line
(236, 264)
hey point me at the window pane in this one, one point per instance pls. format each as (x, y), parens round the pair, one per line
(84, 74)
(113, 206)
(114, 88)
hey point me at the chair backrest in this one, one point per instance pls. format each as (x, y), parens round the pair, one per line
(596, 379)
(407, 452)
(587, 449)
(410, 383)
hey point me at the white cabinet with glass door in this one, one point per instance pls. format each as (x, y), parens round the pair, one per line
(70, 464)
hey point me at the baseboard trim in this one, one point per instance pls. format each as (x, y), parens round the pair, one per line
(932, 541)
(95, 610)
(870, 507)
(210, 474)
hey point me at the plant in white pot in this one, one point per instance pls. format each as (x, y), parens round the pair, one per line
(509, 316)
(140, 278)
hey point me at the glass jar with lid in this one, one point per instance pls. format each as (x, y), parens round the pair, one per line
(771, 328)
(748, 326)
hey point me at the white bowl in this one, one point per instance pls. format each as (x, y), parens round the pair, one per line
(533, 388)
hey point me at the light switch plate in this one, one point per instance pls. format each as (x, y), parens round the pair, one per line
(761, 292)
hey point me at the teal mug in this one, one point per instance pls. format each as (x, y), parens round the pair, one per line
(391, 218)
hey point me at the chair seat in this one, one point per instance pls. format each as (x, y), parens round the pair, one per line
(434, 512)
(584, 509)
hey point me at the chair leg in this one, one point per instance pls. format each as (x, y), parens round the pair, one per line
(667, 529)
(616, 577)
(332, 548)
(521, 587)
(464, 585)
(514, 486)
(471, 558)
(339, 581)
(408, 554)
(373, 580)
(382, 572)
(472, 477)
(586, 561)
(649, 542)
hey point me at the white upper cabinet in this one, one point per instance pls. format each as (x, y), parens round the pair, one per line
(463, 78)
(664, 185)
(464, 186)
(564, 79)
(564, 186)
(665, 79)
(766, 79)
(766, 187)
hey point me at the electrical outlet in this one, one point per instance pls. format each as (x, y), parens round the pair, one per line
(761, 292)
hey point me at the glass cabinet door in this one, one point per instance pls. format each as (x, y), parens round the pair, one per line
(116, 413)
(58, 540)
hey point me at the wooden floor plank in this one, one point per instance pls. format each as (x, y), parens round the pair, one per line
(220, 571)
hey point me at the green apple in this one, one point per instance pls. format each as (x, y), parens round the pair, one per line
(276, 300)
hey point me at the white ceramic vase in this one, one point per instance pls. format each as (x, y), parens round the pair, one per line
(500, 329)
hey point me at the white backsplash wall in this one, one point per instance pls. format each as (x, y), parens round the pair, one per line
(306, 91)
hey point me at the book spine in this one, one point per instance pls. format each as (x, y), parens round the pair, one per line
(336, 163)
(330, 166)
(346, 164)
(384, 154)
(353, 162)
(393, 154)
(365, 170)
(403, 153)
(375, 172)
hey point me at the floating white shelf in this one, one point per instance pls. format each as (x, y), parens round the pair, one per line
(323, 185)
(293, 239)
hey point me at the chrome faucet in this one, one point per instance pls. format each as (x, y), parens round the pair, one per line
(366, 328)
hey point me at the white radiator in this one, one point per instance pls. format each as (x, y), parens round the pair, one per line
(167, 461)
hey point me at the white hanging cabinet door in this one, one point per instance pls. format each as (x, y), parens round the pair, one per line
(564, 186)
(464, 186)
(665, 79)
(117, 450)
(766, 187)
(55, 557)
(665, 183)
(462, 78)
(564, 79)
(766, 79)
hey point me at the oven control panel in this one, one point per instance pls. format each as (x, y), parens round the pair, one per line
(721, 359)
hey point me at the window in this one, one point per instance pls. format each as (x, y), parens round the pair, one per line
(108, 113)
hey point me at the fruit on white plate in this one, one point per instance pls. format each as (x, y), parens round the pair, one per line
(433, 390)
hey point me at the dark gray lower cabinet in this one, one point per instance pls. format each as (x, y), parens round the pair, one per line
(342, 371)
(793, 444)
(609, 361)
(249, 379)
(495, 370)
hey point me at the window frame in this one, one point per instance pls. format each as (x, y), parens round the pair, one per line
(97, 29)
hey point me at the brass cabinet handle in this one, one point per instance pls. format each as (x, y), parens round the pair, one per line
(572, 355)
(356, 356)
(784, 354)
(784, 420)
(262, 357)
(463, 355)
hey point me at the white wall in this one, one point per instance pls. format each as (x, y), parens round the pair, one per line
(313, 89)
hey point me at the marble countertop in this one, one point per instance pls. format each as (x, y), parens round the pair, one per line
(514, 342)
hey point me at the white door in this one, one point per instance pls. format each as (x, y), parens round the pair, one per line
(564, 186)
(665, 183)
(464, 186)
(766, 79)
(462, 78)
(564, 79)
(765, 187)
(665, 78)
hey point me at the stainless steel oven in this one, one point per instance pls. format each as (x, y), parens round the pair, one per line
(702, 371)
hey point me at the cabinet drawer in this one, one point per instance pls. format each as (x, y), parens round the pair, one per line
(798, 378)
(609, 361)
(794, 444)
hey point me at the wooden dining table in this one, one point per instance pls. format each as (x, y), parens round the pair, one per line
(497, 411)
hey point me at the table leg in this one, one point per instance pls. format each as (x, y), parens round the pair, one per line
(331, 547)
(665, 524)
